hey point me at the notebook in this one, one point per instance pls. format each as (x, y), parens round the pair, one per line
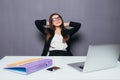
(99, 57)
(29, 65)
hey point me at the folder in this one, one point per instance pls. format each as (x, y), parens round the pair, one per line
(29, 66)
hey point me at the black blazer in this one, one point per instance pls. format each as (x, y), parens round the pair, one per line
(40, 24)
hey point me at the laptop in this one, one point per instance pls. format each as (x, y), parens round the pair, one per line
(99, 57)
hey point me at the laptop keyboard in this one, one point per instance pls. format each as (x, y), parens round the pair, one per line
(81, 67)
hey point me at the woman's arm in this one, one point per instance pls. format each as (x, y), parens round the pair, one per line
(76, 26)
(66, 24)
(40, 25)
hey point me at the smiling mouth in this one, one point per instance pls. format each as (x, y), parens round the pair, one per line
(58, 23)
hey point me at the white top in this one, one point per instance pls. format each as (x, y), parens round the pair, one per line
(57, 43)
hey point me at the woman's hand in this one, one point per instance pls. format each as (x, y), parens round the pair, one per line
(47, 23)
(66, 24)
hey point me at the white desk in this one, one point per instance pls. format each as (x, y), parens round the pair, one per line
(65, 73)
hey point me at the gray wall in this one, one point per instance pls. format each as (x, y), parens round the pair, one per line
(100, 21)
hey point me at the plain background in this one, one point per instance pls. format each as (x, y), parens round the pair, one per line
(100, 21)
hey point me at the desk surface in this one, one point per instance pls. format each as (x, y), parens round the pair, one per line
(65, 73)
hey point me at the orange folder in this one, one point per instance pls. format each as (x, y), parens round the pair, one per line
(23, 62)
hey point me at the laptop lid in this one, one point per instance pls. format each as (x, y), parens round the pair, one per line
(101, 57)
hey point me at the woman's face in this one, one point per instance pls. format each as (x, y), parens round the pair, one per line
(56, 20)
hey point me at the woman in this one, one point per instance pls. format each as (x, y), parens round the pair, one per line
(57, 36)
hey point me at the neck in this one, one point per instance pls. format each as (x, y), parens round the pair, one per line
(58, 30)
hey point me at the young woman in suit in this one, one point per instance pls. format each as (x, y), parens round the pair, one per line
(57, 36)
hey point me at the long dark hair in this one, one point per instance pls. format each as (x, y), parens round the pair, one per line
(64, 34)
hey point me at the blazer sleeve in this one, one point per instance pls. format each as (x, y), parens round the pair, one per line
(76, 26)
(40, 24)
